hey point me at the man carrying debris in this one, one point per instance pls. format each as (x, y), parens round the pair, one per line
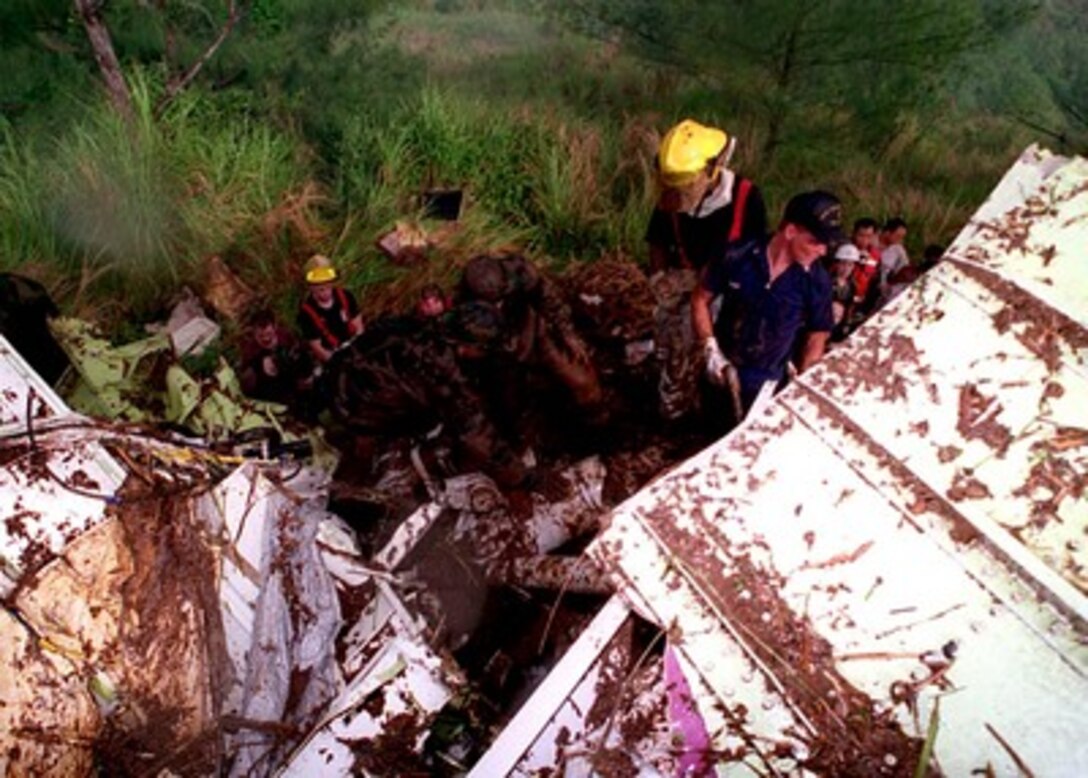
(401, 380)
(537, 328)
(328, 315)
(773, 291)
(704, 205)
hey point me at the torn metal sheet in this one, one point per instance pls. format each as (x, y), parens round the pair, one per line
(156, 625)
(24, 396)
(378, 724)
(901, 529)
(1032, 232)
(72, 484)
(555, 716)
(142, 381)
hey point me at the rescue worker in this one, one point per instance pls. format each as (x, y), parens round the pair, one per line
(273, 365)
(704, 205)
(537, 325)
(328, 315)
(843, 291)
(866, 272)
(773, 291)
(405, 379)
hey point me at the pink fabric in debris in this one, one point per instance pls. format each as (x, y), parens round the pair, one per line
(685, 719)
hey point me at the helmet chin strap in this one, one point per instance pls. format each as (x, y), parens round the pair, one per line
(727, 155)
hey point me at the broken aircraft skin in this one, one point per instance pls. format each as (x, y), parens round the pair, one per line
(169, 609)
(889, 559)
(885, 561)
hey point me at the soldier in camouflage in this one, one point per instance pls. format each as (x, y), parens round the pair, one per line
(402, 379)
(536, 322)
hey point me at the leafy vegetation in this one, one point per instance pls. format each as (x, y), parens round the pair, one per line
(265, 130)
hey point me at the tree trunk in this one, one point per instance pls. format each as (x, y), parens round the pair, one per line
(102, 45)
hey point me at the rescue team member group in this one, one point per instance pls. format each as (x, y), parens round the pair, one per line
(761, 305)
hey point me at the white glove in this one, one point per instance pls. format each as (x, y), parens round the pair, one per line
(716, 363)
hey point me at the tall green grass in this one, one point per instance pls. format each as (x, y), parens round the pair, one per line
(551, 136)
(569, 187)
(133, 207)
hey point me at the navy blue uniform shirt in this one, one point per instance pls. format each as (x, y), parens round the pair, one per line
(760, 321)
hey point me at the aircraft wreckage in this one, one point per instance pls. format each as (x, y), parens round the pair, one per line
(883, 567)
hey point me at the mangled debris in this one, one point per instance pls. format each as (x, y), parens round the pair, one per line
(883, 562)
(183, 610)
(199, 627)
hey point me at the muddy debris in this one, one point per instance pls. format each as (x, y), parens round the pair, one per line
(967, 487)
(926, 500)
(850, 734)
(949, 453)
(1054, 478)
(393, 751)
(977, 419)
(1045, 331)
(875, 363)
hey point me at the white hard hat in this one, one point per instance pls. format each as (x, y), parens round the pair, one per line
(848, 252)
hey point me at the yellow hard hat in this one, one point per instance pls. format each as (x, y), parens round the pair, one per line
(319, 270)
(686, 150)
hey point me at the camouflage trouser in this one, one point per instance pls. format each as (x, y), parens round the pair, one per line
(674, 344)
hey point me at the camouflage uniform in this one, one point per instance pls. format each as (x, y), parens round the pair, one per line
(536, 321)
(402, 379)
(675, 344)
(623, 312)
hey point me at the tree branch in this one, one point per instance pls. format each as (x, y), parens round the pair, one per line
(90, 12)
(1057, 135)
(178, 84)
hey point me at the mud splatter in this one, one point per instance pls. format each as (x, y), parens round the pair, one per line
(851, 734)
(1043, 330)
(977, 419)
(967, 487)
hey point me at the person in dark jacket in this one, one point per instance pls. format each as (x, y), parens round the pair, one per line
(773, 291)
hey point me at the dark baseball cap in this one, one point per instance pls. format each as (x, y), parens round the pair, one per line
(818, 212)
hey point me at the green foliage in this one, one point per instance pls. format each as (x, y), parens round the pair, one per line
(38, 46)
(138, 204)
(922, 768)
(318, 123)
(562, 183)
(790, 59)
